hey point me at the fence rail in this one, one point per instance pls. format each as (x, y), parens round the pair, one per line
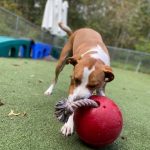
(16, 26)
(130, 59)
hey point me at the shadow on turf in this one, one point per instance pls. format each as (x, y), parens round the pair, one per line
(113, 146)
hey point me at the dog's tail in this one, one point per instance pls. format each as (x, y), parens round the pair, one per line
(65, 28)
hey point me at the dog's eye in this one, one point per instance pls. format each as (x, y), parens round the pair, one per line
(77, 81)
(92, 86)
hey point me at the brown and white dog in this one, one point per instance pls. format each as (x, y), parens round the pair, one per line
(88, 54)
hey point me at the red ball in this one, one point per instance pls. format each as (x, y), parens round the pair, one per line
(99, 126)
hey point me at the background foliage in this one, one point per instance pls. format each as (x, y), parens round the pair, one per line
(122, 23)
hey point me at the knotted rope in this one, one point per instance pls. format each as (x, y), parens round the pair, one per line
(64, 108)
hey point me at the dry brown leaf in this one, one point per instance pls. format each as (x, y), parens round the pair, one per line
(24, 114)
(40, 81)
(16, 65)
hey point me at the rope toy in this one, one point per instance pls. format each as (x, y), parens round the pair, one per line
(64, 108)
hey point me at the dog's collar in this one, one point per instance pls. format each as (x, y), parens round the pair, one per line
(91, 50)
(100, 54)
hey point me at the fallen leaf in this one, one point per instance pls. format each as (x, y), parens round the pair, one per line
(40, 81)
(24, 114)
(16, 65)
(1, 104)
(13, 114)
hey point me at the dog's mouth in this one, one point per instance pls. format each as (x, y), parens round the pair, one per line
(79, 98)
(83, 97)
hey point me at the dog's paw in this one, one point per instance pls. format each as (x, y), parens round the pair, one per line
(49, 90)
(47, 93)
(67, 129)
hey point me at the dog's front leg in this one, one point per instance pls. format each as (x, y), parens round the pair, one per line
(60, 65)
(58, 69)
(68, 128)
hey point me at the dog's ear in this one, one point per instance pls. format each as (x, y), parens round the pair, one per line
(109, 76)
(71, 60)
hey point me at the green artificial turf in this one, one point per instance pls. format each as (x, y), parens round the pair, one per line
(22, 84)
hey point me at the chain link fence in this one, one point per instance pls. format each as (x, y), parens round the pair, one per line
(15, 26)
(130, 59)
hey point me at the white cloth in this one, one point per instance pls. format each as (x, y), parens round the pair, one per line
(55, 11)
(48, 16)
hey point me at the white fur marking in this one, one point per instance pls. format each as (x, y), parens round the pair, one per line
(49, 90)
(101, 55)
(82, 91)
(68, 127)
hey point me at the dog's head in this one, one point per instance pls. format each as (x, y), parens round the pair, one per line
(88, 76)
